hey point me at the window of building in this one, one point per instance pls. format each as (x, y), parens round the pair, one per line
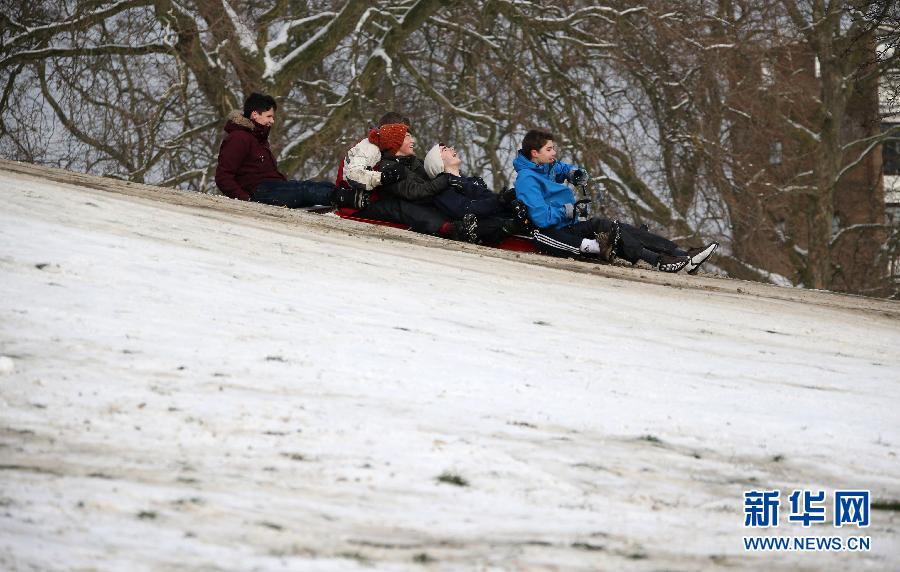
(776, 153)
(766, 73)
(890, 155)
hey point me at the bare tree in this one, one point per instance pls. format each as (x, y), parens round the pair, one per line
(710, 119)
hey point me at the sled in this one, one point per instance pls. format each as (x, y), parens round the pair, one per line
(515, 243)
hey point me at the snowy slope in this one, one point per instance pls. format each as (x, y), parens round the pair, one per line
(190, 389)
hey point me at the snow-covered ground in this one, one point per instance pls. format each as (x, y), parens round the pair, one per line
(189, 389)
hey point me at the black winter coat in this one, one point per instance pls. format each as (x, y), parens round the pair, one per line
(467, 195)
(415, 186)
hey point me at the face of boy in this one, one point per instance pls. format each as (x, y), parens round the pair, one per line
(544, 155)
(407, 148)
(450, 157)
(266, 118)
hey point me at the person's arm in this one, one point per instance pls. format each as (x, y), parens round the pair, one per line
(361, 158)
(542, 214)
(561, 171)
(414, 187)
(232, 152)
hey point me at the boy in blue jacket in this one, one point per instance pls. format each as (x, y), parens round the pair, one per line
(540, 185)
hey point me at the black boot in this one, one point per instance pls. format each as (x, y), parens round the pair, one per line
(465, 230)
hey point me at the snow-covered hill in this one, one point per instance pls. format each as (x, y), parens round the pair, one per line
(193, 383)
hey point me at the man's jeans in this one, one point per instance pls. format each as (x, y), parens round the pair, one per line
(294, 194)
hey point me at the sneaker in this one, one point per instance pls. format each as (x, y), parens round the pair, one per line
(465, 230)
(668, 263)
(699, 255)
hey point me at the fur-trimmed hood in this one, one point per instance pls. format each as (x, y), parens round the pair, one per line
(237, 122)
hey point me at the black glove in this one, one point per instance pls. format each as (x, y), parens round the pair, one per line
(391, 173)
(480, 182)
(578, 177)
(520, 213)
(582, 209)
(507, 196)
(456, 183)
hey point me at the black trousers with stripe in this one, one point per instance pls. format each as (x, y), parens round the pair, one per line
(566, 242)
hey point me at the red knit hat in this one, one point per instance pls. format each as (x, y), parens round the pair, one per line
(389, 137)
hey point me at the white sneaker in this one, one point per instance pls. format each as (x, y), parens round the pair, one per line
(698, 256)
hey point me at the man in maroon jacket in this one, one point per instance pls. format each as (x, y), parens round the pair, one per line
(247, 169)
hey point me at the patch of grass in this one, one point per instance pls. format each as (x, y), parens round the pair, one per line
(522, 424)
(423, 558)
(272, 525)
(777, 458)
(361, 558)
(650, 438)
(587, 546)
(452, 479)
(147, 515)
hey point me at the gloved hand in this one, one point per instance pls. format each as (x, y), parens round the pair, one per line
(391, 173)
(507, 196)
(570, 211)
(520, 213)
(480, 182)
(582, 209)
(578, 177)
(456, 183)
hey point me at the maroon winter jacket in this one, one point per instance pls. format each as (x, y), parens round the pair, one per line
(245, 158)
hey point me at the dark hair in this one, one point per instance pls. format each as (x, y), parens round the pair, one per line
(393, 117)
(258, 102)
(534, 140)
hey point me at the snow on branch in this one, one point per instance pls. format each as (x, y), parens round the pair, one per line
(874, 142)
(284, 33)
(489, 40)
(804, 130)
(591, 11)
(853, 228)
(104, 50)
(309, 133)
(443, 100)
(78, 22)
(589, 45)
(245, 36)
(283, 72)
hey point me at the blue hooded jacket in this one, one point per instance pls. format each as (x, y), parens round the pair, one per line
(542, 190)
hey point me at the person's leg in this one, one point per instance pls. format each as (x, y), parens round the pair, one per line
(652, 241)
(558, 242)
(420, 218)
(491, 230)
(294, 194)
(625, 244)
(489, 206)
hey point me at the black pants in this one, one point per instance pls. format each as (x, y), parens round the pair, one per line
(631, 245)
(294, 194)
(419, 217)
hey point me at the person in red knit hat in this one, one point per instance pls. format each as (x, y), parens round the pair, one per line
(356, 177)
(408, 200)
